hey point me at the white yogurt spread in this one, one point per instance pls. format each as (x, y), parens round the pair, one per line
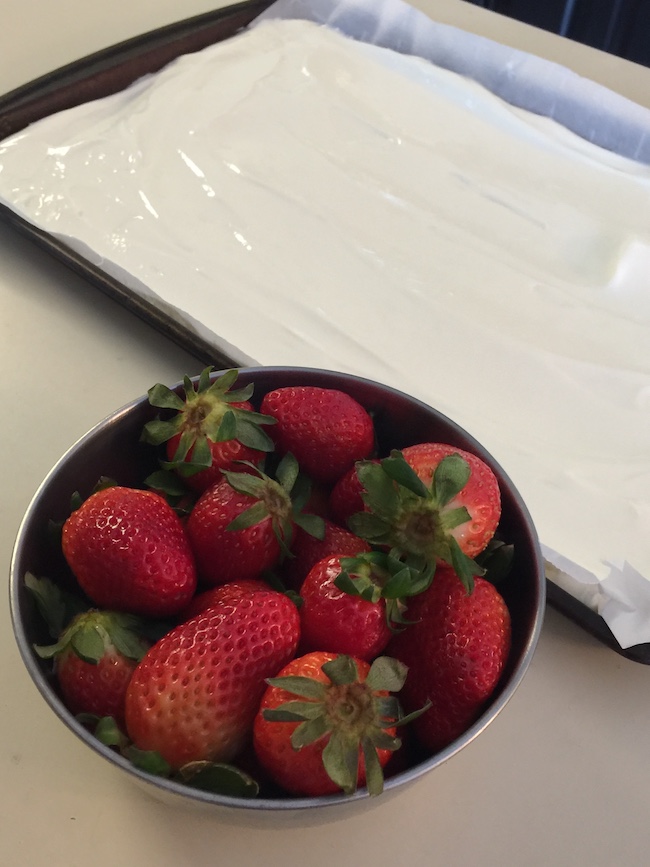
(316, 201)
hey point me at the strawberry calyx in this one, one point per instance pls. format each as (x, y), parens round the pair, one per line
(93, 634)
(282, 499)
(207, 413)
(376, 575)
(355, 715)
(412, 519)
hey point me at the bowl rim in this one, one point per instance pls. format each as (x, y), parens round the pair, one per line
(290, 803)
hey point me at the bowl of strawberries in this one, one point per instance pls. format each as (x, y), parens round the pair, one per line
(277, 588)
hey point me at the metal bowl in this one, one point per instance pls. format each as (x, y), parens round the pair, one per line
(112, 448)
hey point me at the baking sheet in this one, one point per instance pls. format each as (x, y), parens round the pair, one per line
(95, 77)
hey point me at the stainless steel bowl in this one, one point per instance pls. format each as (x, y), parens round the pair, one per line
(112, 449)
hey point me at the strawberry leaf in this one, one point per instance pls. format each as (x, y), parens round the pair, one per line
(309, 731)
(107, 732)
(341, 759)
(386, 673)
(463, 566)
(287, 472)
(87, 643)
(227, 429)
(312, 524)
(374, 773)
(250, 517)
(56, 606)
(399, 470)
(449, 478)
(164, 398)
(341, 670)
(148, 761)
(306, 687)
(219, 778)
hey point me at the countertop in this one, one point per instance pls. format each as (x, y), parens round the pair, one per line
(561, 776)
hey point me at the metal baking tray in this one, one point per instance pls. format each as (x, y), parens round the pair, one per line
(111, 70)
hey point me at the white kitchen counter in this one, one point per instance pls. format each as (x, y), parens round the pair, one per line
(561, 776)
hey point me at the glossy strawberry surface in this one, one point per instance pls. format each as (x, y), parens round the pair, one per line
(326, 429)
(195, 693)
(95, 688)
(223, 554)
(334, 620)
(455, 650)
(129, 551)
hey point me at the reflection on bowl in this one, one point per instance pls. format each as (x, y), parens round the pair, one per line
(112, 449)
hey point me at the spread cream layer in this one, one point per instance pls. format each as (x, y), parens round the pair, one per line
(311, 200)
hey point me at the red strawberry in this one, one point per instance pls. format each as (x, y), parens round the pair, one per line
(242, 526)
(334, 620)
(129, 552)
(194, 696)
(326, 723)
(431, 503)
(94, 660)
(212, 428)
(307, 550)
(455, 650)
(326, 429)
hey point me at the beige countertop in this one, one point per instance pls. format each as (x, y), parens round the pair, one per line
(561, 776)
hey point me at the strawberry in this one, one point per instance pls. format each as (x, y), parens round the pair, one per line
(325, 429)
(244, 525)
(430, 503)
(129, 552)
(308, 549)
(327, 723)
(355, 622)
(211, 429)
(194, 695)
(94, 660)
(455, 649)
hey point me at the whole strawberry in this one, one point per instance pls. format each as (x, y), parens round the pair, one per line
(194, 695)
(94, 660)
(325, 429)
(455, 649)
(211, 429)
(129, 552)
(244, 525)
(327, 723)
(432, 503)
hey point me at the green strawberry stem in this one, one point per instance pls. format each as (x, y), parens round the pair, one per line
(412, 520)
(350, 713)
